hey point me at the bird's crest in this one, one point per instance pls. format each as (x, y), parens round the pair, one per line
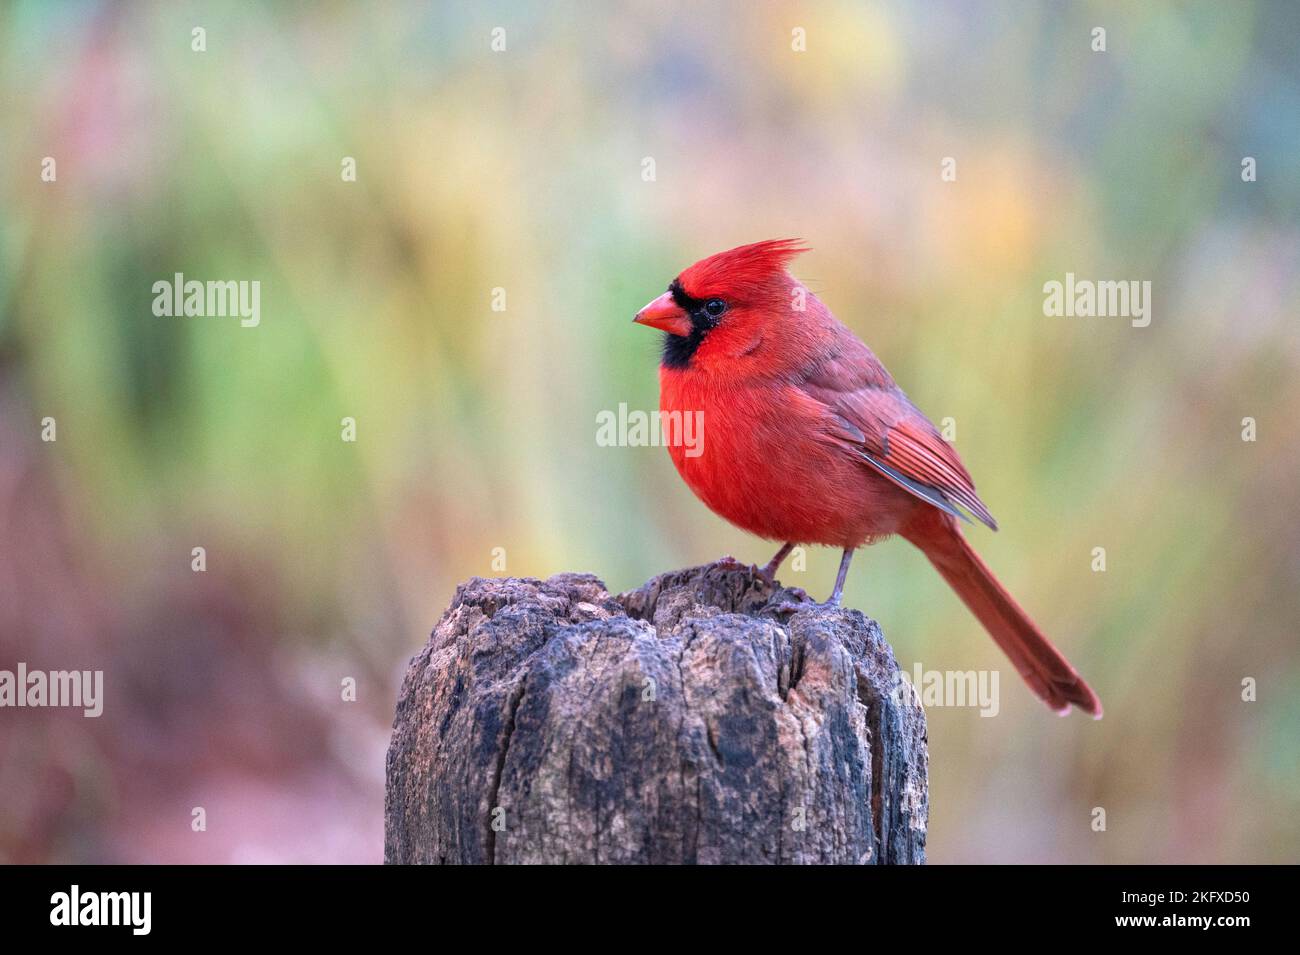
(741, 267)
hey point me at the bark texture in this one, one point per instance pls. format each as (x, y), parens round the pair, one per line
(689, 721)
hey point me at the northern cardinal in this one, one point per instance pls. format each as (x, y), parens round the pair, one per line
(808, 440)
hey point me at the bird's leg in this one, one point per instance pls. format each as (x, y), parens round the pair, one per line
(768, 573)
(838, 592)
(786, 605)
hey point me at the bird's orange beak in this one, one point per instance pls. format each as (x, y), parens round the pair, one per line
(666, 315)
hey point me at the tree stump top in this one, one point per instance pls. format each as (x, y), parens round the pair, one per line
(686, 721)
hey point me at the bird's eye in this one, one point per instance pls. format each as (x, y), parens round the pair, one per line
(714, 307)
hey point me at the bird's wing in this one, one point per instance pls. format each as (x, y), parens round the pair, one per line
(872, 418)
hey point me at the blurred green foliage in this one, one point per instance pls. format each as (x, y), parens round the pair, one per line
(522, 170)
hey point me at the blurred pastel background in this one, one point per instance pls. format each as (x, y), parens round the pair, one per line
(523, 170)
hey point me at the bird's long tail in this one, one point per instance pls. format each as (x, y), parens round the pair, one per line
(1043, 667)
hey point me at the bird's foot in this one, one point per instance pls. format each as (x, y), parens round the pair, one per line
(791, 600)
(761, 573)
(795, 599)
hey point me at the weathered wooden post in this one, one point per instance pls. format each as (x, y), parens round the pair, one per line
(685, 722)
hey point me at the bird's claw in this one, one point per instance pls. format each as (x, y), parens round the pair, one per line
(795, 600)
(792, 600)
(784, 606)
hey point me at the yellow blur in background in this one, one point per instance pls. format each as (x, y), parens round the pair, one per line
(466, 301)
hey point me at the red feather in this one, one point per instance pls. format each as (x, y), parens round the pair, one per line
(740, 269)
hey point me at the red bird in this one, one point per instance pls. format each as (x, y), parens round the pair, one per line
(808, 440)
